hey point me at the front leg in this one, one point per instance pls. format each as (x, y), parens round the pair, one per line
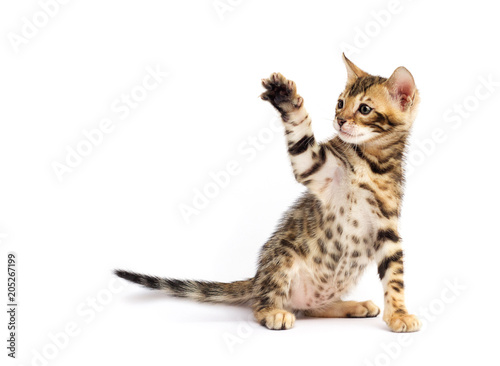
(390, 270)
(313, 164)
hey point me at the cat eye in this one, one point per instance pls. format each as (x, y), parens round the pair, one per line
(364, 109)
(340, 104)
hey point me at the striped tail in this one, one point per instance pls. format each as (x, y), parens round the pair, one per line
(238, 292)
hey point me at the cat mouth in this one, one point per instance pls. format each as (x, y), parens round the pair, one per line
(347, 134)
(351, 138)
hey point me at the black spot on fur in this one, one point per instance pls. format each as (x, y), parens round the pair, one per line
(302, 145)
(375, 166)
(362, 84)
(331, 266)
(296, 248)
(384, 265)
(322, 247)
(338, 246)
(317, 165)
(389, 234)
(335, 257)
(397, 283)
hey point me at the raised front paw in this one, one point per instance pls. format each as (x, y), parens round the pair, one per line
(281, 93)
(402, 323)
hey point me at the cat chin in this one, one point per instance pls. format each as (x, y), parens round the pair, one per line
(353, 139)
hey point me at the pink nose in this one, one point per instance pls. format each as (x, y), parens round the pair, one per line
(341, 121)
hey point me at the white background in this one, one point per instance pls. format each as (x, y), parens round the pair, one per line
(120, 207)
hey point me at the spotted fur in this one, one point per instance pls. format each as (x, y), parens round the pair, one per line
(347, 218)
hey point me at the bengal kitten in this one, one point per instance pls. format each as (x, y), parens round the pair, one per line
(347, 218)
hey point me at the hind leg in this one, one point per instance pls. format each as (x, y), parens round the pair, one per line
(271, 295)
(272, 292)
(346, 309)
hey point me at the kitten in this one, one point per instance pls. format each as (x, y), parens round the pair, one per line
(347, 218)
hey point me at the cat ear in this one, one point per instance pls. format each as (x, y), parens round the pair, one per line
(353, 72)
(402, 87)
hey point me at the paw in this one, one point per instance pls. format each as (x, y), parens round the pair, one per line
(281, 93)
(278, 319)
(366, 309)
(402, 323)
